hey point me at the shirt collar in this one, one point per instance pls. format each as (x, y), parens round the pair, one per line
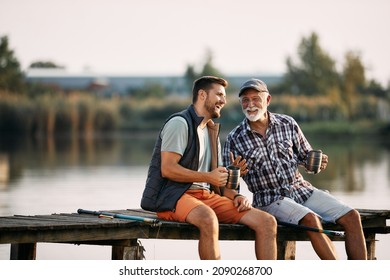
(272, 119)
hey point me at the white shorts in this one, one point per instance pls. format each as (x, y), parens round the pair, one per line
(321, 203)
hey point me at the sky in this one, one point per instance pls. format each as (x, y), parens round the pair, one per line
(163, 37)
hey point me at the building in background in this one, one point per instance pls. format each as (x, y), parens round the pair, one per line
(107, 85)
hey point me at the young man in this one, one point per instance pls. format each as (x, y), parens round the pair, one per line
(186, 178)
(273, 146)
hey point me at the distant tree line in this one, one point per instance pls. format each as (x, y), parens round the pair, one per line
(312, 89)
(315, 74)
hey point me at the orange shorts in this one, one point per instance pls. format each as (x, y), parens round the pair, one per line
(223, 207)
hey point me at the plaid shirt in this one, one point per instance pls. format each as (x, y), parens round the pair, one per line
(272, 160)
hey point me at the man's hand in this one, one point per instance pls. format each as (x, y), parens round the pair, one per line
(240, 163)
(242, 203)
(324, 162)
(218, 177)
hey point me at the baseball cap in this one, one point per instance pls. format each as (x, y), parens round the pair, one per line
(255, 84)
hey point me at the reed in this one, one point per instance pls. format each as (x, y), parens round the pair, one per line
(15, 113)
(85, 113)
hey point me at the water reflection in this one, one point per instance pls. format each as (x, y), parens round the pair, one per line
(347, 157)
(63, 152)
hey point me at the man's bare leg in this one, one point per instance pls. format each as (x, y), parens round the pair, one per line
(321, 243)
(265, 227)
(354, 237)
(204, 218)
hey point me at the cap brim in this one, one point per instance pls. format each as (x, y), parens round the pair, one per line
(247, 87)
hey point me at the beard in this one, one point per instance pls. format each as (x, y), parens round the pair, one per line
(259, 115)
(212, 109)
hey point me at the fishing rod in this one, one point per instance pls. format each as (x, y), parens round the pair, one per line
(325, 231)
(103, 214)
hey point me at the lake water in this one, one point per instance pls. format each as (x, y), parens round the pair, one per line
(45, 176)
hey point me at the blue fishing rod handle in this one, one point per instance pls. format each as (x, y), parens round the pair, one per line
(83, 211)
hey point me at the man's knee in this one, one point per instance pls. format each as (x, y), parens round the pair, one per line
(353, 215)
(262, 222)
(269, 220)
(209, 220)
(203, 217)
(351, 218)
(311, 220)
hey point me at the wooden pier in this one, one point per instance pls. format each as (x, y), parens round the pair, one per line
(24, 232)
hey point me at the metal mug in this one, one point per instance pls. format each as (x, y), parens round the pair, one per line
(313, 161)
(234, 177)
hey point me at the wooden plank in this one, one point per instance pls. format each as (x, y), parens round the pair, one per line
(30, 222)
(376, 212)
(73, 235)
(57, 222)
(75, 220)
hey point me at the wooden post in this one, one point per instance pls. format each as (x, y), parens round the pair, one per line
(286, 250)
(23, 251)
(370, 244)
(135, 251)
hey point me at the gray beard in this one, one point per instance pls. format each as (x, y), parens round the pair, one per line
(254, 118)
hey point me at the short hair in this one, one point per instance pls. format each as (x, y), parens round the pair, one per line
(206, 83)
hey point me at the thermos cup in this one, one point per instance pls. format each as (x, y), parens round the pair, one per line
(313, 161)
(234, 177)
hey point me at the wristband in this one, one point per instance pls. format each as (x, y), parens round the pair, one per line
(237, 195)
